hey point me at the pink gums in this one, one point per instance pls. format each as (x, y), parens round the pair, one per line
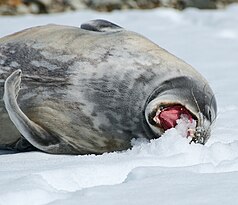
(168, 116)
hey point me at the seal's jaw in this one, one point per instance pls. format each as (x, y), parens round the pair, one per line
(163, 116)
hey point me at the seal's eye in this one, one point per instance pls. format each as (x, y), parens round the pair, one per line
(167, 117)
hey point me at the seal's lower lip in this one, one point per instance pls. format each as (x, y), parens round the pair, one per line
(167, 117)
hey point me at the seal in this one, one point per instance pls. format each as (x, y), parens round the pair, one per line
(70, 90)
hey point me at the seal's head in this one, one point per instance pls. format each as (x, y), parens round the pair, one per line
(178, 98)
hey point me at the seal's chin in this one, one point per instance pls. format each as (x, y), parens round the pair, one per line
(167, 117)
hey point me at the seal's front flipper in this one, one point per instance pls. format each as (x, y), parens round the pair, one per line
(22, 145)
(100, 25)
(32, 132)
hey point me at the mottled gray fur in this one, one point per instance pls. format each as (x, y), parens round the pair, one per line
(90, 89)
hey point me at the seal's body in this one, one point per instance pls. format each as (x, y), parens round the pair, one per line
(91, 89)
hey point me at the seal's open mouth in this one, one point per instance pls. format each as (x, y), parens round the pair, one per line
(167, 117)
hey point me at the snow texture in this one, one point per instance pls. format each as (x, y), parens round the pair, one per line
(166, 171)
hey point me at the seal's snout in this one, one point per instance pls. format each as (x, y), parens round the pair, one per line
(165, 117)
(202, 131)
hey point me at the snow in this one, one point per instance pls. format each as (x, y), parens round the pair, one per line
(168, 170)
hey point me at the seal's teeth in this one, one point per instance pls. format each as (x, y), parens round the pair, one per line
(156, 119)
(191, 133)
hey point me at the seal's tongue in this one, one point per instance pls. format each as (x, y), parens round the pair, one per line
(168, 116)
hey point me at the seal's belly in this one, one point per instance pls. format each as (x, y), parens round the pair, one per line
(82, 122)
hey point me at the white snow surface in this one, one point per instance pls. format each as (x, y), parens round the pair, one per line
(167, 170)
